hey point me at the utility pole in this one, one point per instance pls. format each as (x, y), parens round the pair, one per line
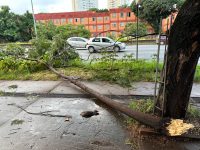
(35, 28)
(137, 32)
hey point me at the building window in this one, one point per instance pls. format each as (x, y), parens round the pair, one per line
(129, 14)
(122, 15)
(93, 27)
(99, 18)
(70, 20)
(106, 18)
(82, 20)
(107, 27)
(93, 19)
(114, 15)
(76, 20)
(63, 20)
(114, 25)
(99, 27)
(121, 24)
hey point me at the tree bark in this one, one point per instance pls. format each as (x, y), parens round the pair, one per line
(182, 58)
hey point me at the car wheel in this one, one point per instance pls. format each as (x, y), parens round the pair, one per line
(116, 48)
(91, 49)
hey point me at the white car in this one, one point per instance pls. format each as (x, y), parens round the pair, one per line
(101, 43)
(77, 42)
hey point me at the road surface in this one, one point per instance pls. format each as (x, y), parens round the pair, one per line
(146, 52)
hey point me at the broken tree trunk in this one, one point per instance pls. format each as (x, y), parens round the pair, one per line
(149, 120)
(182, 58)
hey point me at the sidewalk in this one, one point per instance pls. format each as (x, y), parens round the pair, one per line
(65, 88)
(106, 131)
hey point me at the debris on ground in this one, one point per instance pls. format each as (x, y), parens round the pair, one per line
(17, 122)
(88, 114)
(13, 87)
(178, 127)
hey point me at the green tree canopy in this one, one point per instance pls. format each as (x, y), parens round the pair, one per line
(131, 29)
(49, 30)
(98, 10)
(15, 27)
(152, 10)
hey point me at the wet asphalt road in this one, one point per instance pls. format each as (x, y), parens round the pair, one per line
(146, 52)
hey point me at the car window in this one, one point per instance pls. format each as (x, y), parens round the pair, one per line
(80, 40)
(96, 40)
(106, 40)
(72, 39)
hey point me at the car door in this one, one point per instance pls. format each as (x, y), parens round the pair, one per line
(96, 43)
(107, 43)
(81, 42)
(72, 42)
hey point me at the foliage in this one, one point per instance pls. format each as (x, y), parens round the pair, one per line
(145, 106)
(46, 31)
(193, 112)
(69, 30)
(124, 6)
(98, 10)
(131, 29)
(55, 52)
(15, 27)
(49, 30)
(152, 10)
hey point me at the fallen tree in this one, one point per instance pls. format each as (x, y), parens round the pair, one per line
(49, 52)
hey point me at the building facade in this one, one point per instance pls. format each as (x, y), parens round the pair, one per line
(117, 3)
(84, 5)
(97, 22)
(168, 22)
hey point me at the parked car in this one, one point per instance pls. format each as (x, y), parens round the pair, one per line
(163, 39)
(101, 43)
(77, 42)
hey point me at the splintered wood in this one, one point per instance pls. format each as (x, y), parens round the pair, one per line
(178, 127)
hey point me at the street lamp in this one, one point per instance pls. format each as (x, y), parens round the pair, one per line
(137, 30)
(34, 19)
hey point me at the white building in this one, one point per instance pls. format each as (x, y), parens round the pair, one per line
(83, 5)
(117, 3)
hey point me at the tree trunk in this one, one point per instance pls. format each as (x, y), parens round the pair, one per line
(182, 58)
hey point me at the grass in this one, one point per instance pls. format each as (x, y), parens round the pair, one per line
(122, 72)
(146, 106)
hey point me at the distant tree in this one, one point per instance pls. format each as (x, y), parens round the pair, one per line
(93, 9)
(15, 27)
(131, 29)
(124, 6)
(25, 27)
(8, 28)
(69, 30)
(47, 30)
(152, 10)
(98, 10)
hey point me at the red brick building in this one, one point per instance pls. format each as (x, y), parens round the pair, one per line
(96, 22)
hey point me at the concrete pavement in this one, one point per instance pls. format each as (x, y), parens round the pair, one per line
(106, 131)
(64, 87)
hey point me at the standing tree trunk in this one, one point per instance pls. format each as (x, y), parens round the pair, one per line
(182, 58)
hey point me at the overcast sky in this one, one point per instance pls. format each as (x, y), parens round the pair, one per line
(20, 6)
